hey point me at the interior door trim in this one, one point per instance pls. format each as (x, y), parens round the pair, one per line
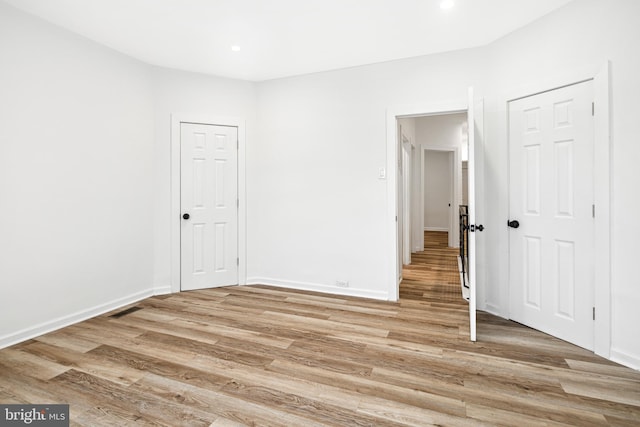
(394, 113)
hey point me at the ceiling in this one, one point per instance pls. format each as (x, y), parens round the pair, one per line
(279, 38)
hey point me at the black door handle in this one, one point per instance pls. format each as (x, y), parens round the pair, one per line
(185, 216)
(513, 224)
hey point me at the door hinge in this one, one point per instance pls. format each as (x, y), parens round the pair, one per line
(237, 144)
(593, 211)
(237, 203)
(593, 108)
(237, 261)
(594, 313)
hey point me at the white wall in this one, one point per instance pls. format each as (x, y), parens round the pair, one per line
(319, 211)
(178, 92)
(437, 190)
(441, 131)
(572, 43)
(76, 155)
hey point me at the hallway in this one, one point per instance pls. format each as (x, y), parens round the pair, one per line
(433, 273)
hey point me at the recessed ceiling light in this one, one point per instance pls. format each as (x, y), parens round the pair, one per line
(235, 48)
(446, 4)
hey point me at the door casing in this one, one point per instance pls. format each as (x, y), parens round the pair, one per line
(176, 120)
(455, 190)
(394, 113)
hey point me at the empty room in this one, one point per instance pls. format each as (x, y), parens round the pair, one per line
(309, 213)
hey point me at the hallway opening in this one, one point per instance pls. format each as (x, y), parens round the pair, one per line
(433, 272)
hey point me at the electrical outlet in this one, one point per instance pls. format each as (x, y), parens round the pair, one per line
(342, 284)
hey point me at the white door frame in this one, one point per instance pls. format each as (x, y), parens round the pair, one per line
(399, 172)
(602, 200)
(455, 192)
(407, 169)
(206, 119)
(393, 114)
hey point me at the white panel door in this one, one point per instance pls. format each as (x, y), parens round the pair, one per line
(208, 204)
(551, 198)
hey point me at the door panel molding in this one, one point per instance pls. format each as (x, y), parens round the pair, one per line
(550, 167)
(175, 213)
(209, 192)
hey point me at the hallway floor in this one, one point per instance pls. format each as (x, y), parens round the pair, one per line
(433, 273)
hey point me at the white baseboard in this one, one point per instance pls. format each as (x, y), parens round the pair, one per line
(436, 229)
(327, 289)
(61, 322)
(162, 290)
(626, 359)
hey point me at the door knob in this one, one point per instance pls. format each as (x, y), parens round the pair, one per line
(185, 216)
(513, 224)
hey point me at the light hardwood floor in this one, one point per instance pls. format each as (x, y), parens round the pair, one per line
(258, 355)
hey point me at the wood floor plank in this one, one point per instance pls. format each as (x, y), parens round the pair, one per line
(30, 365)
(609, 370)
(68, 339)
(625, 391)
(317, 410)
(284, 382)
(268, 356)
(131, 405)
(31, 390)
(84, 362)
(519, 398)
(160, 367)
(412, 415)
(369, 386)
(217, 403)
(506, 418)
(322, 326)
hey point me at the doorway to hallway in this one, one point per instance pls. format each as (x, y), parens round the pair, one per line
(433, 272)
